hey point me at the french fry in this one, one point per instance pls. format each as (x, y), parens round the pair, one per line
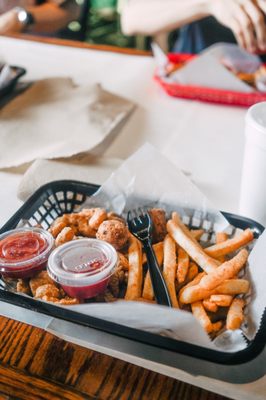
(230, 245)
(209, 305)
(233, 287)
(225, 271)
(220, 238)
(235, 314)
(158, 250)
(176, 218)
(191, 246)
(145, 300)
(217, 326)
(221, 300)
(182, 265)
(192, 271)
(169, 267)
(201, 315)
(134, 284)
(147, 292)
(192, 283)
(194, 292)
(197, 233)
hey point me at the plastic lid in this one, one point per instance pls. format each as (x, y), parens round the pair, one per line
(82, 262)
(24, 248)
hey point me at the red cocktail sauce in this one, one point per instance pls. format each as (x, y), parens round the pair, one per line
(22, 246)
(23, 252)
(82, 267)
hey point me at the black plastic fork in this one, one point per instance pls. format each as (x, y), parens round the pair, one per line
(140, 225)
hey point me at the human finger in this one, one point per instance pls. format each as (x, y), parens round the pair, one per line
(258, 21)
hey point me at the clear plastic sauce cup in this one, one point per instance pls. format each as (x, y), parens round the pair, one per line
(24, 252)
(83, 267)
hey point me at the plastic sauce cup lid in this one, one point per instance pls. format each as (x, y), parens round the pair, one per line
(82, 262)
(24, 248)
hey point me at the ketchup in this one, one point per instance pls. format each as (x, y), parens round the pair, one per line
(24, 252)
(22, 246)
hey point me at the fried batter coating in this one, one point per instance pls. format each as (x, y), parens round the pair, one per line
(113, 284)
(57, 227)
(108, 296)
(42, 278)
(87, 212)
(68, 301)
(50, 299)
(49, 290)
(97, 218)
(66, 235)
(85, 229)
(121, 276)
(114, 232)
(122, 261)
(23, 286)
(159, 224)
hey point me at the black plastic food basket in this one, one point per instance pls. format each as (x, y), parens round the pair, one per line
(59, 197)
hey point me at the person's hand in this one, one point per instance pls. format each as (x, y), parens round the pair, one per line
(246, 18)
(9, 23)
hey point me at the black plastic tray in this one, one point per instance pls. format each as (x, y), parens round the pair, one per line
(56, 198)
(10, 86)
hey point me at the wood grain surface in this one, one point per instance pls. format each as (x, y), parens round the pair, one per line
(81, 45)
(36, 365)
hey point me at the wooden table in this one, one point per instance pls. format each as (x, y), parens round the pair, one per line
(37, 365)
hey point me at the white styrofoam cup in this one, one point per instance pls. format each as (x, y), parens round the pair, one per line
(253, 183)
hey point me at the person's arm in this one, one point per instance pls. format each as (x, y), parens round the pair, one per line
(49, 17)
(149, 17)
(245, 18)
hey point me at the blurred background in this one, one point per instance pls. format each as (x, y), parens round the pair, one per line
(99, 23)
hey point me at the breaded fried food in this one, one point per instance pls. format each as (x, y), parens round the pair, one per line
(42, 278)
(66, 235)
(49, 290)
(114, 232)
(97, 218)
(23, 286)
(158, 224)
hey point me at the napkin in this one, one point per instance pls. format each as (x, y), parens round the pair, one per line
(55, 118)
(85, 167)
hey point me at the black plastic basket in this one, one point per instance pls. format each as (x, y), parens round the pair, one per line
(59, 197)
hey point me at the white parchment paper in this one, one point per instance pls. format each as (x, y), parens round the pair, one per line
(149, 178)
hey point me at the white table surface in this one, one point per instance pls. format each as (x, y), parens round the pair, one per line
(204, 140)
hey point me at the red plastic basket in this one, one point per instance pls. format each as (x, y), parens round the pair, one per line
(206, 94)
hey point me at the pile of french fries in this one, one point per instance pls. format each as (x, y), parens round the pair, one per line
(204, 281)
(201, 280)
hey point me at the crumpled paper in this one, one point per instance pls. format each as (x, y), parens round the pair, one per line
(55, 118)
(208, 69)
